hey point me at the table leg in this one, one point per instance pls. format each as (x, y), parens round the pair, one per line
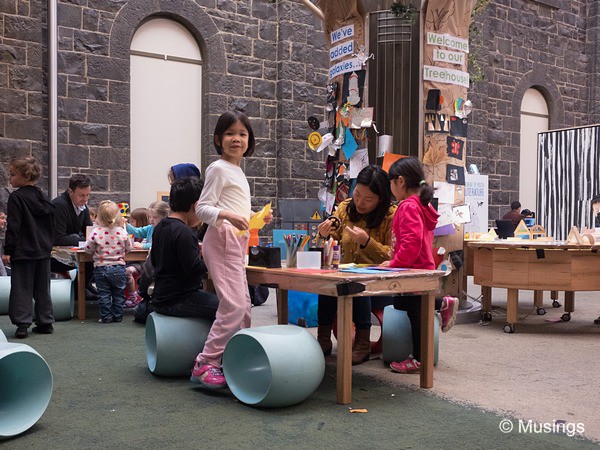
(282, 306)
(81, 290)
(538, 299)
(512, 306)
(486, 298)
(427, 340)
(344, 351)
(569, 301)
(554, 295)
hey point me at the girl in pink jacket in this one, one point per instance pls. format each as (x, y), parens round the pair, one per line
(413, 226)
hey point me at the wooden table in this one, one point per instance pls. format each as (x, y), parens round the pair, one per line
(80, 258)
(538, 266)
(345, 286)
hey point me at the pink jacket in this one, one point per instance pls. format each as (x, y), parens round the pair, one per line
(413, 227)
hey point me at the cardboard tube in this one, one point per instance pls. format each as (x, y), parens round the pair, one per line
(172, 343)
(62, 292)
(25, 389)
(273, 366)
(397, 337)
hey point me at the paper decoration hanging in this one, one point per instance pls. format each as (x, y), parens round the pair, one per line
(455, 147)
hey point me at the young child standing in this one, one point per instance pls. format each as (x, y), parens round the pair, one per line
(109, 243)
(157, 211)
(29, 236)
(413, 226)
(225, 206)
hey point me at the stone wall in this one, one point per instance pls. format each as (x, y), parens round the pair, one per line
(268, 59)
(527, 44)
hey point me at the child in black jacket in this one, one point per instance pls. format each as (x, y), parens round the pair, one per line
(27, 248)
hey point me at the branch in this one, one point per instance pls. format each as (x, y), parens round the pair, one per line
(316, 11)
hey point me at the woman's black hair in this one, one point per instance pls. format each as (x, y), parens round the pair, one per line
(227, 119)
(411, 169)
(375, 178)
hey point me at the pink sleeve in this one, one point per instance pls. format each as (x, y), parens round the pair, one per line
(408, 229)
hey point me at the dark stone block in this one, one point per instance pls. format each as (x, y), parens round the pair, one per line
(108, 68)
(268, 31)
(68, 15)
(263, 89)
(264, 50)
(90, 42)
(72, 109)
(23, 28)
(119, 180)
(8, 6)
(73, 156)
(36, 104)
(88, 134)
(241, 45)
(91, 19)
(12, 101)
(245, 68)
(23, 127)
(109, 158)
(291, 188)
(119, 137)
(304, 92)
(11, 55)
(11, 148)
(119, 92)
(71, 63)
(108, 113)
(265, 189)
(256, 167)
(26, 78)
(94, 90)
(107, 5)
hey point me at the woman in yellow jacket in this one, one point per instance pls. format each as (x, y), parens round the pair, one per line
(364, 232)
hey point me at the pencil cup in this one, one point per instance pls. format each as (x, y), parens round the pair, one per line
(273, 366)
(172, 343)
(292, 259)
(397, 337)
(25, 389)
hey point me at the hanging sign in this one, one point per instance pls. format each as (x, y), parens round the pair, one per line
(341, 50)
(348, 65)
(448, 57)
(443, 75)
(445, 40)
(342, 33)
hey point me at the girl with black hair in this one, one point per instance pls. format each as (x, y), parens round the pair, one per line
(364, 232)
(413, 227)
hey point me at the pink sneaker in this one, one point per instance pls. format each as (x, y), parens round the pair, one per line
(448, 312)
(410, 365)
(207, 375)
(132, 300)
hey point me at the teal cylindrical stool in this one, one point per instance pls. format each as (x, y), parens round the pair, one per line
(25, 388)
(2, 337)
(4, 294)
(397, 337)
(273, 366)
(62, 293)
(172, 343)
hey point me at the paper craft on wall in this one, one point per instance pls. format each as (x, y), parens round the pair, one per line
(455, 147)
(350, 145)
(455, 174)
(352, 88)
(462, 214)
(359, 160)
(437, 123)
(361, 118)
(433, 100)
(458, 126)
(388, 160)
(446, 215)
(444, 192)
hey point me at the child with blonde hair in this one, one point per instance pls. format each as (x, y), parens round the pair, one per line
(27, 247)
(157, 211)
(109, 243)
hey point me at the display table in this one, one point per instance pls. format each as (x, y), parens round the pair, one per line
(538, 266)
(345, 286)
(79, 258)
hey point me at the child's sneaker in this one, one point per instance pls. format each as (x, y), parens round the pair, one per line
(409, 365)
(106, 320)
(117, 319)
(448, 312)
(207, 375)
(132, 300)
(21, 332)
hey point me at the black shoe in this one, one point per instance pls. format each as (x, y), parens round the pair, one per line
(117, 319)
(43, 329)
(21, 332)
(107, 320)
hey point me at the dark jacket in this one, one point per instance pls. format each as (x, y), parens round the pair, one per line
(69, 228)
(178, 268)
(29, 229)
(514, 216)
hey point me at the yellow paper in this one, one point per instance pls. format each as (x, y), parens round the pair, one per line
(257, 221)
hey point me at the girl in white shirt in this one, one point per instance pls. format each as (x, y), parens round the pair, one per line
(225, 206)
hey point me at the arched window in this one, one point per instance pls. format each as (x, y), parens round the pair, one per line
(534, 120)
(166, 106)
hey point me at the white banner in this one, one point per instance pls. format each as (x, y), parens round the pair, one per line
(341, 50)
(348, 65)
(448, 57)
(342, 33)
(445, 40)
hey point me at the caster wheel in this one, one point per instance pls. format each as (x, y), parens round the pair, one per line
(566, 317)
(509, 328)
(555, 304)
(486, 317)
(541, 311)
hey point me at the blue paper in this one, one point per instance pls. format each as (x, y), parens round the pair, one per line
(279, 241)
(349, 146)
(444, 230)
